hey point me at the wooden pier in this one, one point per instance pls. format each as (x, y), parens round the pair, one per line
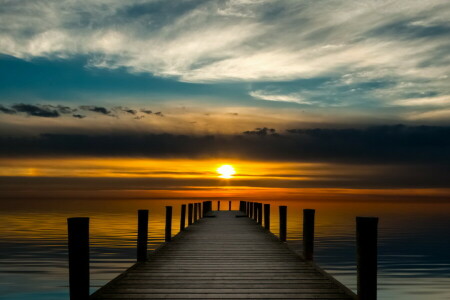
(228, 255)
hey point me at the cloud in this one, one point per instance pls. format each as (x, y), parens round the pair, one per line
(202, 41)
(264, 95)
(62, 109)
(126, 110)
(379, 145)
(365, 59)
(146, 111)
(7, 110)
(96, 109)
(443, 100)
(36, 110)
(261, 131)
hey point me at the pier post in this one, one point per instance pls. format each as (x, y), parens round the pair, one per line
(229, 205)
(260, 211)
(241, 206)
(78, 243)
(183, 217)
(283, 223)
(267, 216)
(366, 256)
(199, 210)
(142, 237)
(190, 211)
(208, 206)
(252, 208)
(195, 212)
(168, 223)
(205, 208)
(308, 234)
(218, 205)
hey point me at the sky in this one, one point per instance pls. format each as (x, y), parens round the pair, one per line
(338, 85)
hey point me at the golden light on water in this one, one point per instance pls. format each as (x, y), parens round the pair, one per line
(226, 171)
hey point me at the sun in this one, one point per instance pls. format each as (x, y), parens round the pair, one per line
(226, 171)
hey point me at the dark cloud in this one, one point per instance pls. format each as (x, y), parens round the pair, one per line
(62, 109)
(97, 109)
(384, 156)
(146, 111)
(54, 111)
(397, 144)
(7, 110)
(261, 131)
(126, 110)
(36, 110)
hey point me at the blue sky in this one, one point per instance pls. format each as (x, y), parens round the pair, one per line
(224, 66)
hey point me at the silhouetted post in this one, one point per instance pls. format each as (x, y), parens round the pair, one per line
(247, 208)
(199, 206)
(168, 223)
(142, 235)
(252, 206)
(241, 205)
(207, 207)
(203, 204)
(195, 211)
(267, 216)
(256, 214)
(183, 217)
(190, 211)
(229, 205)
(78, 242)
(366, 255)
(308, 233)
(260, 206)
(283, 223)
(218, 205)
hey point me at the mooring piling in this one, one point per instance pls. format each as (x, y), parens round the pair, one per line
(308, 233)
(168, 235)
(366, 249)
(142, 236)
(283, 223)
(78, 243)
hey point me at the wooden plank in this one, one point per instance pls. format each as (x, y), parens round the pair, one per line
(223, 257)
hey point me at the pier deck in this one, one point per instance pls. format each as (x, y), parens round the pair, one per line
(223, 257)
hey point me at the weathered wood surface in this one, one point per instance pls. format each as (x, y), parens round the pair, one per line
(223, 257)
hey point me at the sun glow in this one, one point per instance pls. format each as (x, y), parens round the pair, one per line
(226, 171)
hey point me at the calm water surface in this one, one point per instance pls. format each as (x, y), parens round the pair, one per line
(414, 243)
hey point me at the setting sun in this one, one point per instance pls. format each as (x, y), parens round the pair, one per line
(226, 171)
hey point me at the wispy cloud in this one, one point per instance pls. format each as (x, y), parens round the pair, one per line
(268, 96)
(380, 51)
(426, 101)
(233, 40)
